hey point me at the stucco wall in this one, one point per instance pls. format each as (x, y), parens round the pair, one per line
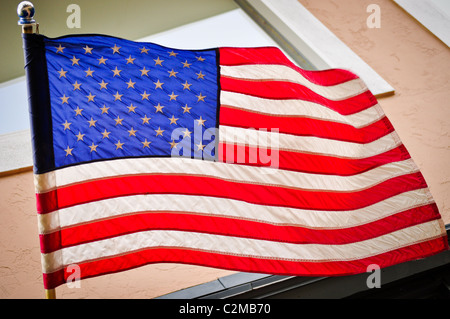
(403, 52)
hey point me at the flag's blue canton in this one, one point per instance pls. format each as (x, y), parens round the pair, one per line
(113, 98)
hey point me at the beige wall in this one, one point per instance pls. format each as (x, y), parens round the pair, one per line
(405, 54)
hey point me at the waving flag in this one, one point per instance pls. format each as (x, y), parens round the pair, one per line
(228, 157)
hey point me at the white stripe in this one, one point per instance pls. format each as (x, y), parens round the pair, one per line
(238, 173)
(309, 144)
(284, 73)
(220, 207)
(239, 246)
(300, 108)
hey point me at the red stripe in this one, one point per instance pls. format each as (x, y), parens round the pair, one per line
(289, 90)
(246, 264)
(144, 221)
(272, 55)
(305, 126)
(304, 162)
(199, 185)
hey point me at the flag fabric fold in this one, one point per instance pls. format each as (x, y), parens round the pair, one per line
(227, 157)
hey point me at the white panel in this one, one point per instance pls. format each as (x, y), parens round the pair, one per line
(432, 14)
(14, 106)
(233, 28)
(15, 151)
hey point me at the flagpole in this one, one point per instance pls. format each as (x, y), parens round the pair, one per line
(25, 11)
(50, 293)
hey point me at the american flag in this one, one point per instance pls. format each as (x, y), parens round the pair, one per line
(228, 157)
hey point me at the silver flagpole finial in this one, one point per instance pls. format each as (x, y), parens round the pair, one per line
(25, 11)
